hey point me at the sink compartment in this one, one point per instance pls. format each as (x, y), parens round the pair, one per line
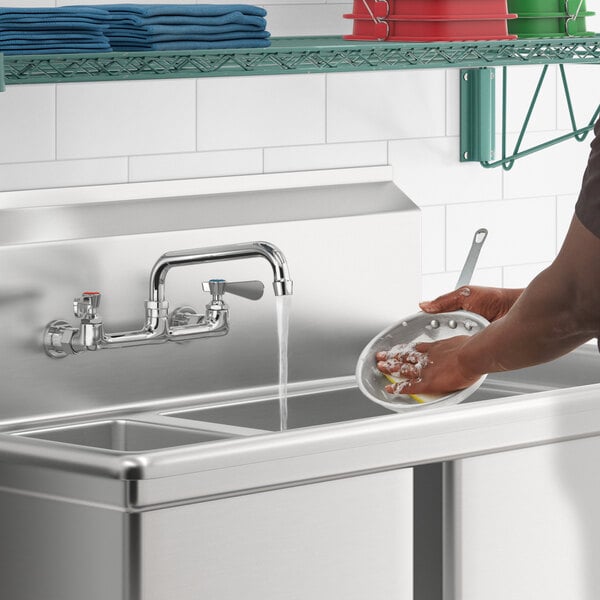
(308, 410)
(305, 410)
(124, 436)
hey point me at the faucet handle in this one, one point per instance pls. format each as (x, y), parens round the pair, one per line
(251, 290)
(86, 306)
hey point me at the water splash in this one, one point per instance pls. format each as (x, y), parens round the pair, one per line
(283, 304)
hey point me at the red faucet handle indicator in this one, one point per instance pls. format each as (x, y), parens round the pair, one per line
(87, 304)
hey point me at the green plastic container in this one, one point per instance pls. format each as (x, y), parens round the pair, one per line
(533, 7)
(549, 26)
(549, 18)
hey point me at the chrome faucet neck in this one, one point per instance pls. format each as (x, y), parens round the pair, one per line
(282, 283)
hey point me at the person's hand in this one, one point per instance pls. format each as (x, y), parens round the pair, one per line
(427, 367)
(489, 302)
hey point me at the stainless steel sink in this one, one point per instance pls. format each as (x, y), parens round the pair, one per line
(124, 436)
(303, 411)
(308, 410)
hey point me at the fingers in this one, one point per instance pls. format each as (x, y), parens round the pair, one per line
(412, 357)
(396, 389)
(404, 387)
(451, 301)
(406, 363)
(399, 369)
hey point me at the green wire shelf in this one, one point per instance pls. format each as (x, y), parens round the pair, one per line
(324, 54)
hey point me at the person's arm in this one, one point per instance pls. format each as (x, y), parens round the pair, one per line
(557, 312)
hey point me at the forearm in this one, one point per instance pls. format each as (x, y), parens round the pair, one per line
(526, 335)
(556, 313)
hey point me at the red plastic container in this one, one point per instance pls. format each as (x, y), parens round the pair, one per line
(437, 9)
(430, 20)
(430, 30)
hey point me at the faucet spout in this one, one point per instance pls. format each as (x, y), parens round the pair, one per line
(282, 284)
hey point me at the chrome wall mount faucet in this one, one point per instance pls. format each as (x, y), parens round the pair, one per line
(184, 323)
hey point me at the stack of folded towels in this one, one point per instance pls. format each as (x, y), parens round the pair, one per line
(53, 30)
(132, 27)
(186, 26)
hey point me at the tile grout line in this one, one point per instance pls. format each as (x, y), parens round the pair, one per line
(445, 237)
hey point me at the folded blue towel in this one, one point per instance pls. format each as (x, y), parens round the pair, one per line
(203, 37)
(42, 14)
(241, 43)
(232, 17)
(181, 29)
(57, 44)
(173, 46)
(186, 10)
(52, 26)
(52, 37)
(58, 50)
(209, 37)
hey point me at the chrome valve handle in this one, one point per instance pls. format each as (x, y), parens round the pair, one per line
(86, 306)
(251, 290)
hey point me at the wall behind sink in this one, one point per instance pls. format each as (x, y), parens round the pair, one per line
(96, 133)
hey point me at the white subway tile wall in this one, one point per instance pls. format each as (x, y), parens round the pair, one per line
(89, 134)
(520, 231)
(125, 118)
(555, 170)
(27, 123)
(429, 171)
(385, 105)
(325, 156)
(195, 164)
(565, 207)
(28, 3)
(433, 239)
(295, 18)
(520, 276)
(441, 283)
(63, 173)
(254, 112)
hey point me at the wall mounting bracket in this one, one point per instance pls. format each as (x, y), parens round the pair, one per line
(477, 113)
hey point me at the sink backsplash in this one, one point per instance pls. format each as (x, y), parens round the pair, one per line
(353, 253)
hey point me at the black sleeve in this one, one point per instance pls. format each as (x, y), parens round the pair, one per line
(587, 208)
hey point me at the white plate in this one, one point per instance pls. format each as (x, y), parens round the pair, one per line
(421, 327)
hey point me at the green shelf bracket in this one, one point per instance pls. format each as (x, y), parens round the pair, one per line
(477, 119)
(577, 133)
(477, 114)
